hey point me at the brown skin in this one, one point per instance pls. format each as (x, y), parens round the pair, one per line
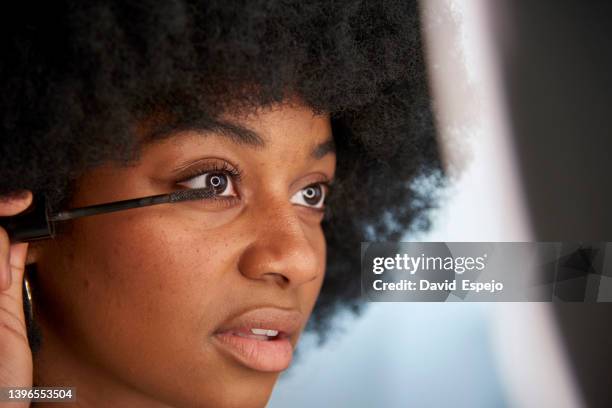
(128, 302)
(15, 356)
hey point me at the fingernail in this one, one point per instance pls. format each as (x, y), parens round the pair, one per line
(14, 195)
(19, 194)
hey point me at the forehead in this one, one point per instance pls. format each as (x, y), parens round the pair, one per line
(282, 120)
(288, 127)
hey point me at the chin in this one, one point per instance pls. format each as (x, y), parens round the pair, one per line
(237, 395)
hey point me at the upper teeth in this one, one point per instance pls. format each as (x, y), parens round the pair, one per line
(265, 332)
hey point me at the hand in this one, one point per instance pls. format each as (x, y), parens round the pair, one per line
(15, 353)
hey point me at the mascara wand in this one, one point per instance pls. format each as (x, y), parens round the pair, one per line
(39, 222)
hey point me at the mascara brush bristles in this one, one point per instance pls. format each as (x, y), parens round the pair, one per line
(178, 196)
(193, 194)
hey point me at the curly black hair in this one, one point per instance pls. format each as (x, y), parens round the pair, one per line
(77, 76)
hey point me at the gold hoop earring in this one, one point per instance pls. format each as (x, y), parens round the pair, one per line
(33, 330)
(27, 300)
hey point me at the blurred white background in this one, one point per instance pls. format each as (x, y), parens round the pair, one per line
(448, 354)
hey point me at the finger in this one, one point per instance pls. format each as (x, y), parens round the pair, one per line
(5, 261)
(18, 254)
(10, 205)
(15, 357)
(11, 298)
(15, 203)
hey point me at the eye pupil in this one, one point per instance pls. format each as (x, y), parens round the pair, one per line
(312, 195)
(218, 182)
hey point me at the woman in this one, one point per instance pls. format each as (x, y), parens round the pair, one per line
(273, 105)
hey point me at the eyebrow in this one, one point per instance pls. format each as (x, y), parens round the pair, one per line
(324, 148)
(236, 133)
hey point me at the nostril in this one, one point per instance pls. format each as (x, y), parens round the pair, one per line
(279, 278)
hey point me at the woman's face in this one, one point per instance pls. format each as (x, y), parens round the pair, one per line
(159, 302)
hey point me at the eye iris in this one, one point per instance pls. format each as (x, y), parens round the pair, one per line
(312, 195)
(218, 181)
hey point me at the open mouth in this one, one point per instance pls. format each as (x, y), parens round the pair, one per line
(260, 334)
(260, 339)
(262, 352)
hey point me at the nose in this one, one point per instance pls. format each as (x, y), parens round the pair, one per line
(283, 250)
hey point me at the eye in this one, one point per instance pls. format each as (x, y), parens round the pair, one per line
(220, 181)
(312, 196)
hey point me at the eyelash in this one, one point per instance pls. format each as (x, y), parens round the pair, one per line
(215, 167)
(235, 174)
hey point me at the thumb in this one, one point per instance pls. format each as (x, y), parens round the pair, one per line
(15, 203)
(18, 254)
(17, 259)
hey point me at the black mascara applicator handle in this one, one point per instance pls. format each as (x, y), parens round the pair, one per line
(31, 225)
(39, 223)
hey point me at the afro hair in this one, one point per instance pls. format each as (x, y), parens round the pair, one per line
(78, 76)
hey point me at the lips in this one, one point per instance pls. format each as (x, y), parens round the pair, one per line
(260, 338)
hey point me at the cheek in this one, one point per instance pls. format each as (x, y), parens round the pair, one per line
(134, 281)
(160, 269)
(139, 295)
